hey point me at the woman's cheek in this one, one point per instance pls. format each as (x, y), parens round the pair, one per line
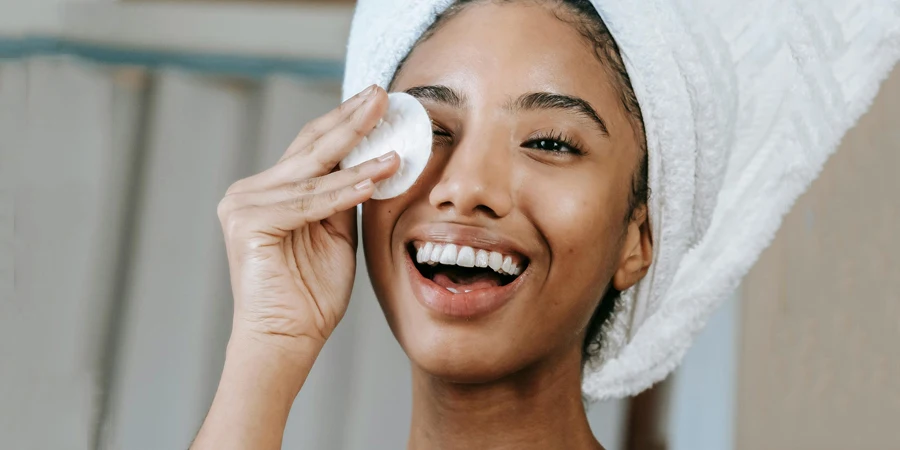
(383, 211)
(567, 216)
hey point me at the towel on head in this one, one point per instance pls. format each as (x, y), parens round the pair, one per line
(743, 101)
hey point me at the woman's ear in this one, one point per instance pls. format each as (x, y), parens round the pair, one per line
(637, 253)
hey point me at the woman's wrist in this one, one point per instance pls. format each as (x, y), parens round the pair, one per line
(282, 361)
(261, 378)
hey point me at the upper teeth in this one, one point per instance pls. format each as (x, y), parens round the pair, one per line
(464, 256)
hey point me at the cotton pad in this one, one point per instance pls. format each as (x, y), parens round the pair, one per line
(405, 129)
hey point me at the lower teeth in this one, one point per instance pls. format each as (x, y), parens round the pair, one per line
(465, 291)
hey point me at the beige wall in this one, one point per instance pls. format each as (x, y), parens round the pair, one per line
(819, 366)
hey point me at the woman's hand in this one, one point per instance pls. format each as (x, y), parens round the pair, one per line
(290, 231)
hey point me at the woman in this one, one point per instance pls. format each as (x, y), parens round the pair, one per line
(540, 156)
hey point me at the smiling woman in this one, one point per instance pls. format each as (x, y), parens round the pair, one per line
(499, 270)
(495, 271)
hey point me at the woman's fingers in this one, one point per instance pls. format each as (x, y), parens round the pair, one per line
(376, 170)
(325, 153)
(303, 187)
(301, 202)
(316, 128)
(333, 146)
(248, 218)
(294, 213)
(320, 156)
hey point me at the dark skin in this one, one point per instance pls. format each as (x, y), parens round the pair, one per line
(511, 379)
(508, 379)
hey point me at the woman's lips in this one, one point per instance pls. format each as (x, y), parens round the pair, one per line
(463, 304)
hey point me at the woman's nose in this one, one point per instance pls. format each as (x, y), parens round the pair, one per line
(475, 179)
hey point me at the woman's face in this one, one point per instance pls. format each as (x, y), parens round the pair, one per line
(533, 160)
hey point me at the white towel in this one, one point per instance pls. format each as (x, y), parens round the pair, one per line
(743, 101)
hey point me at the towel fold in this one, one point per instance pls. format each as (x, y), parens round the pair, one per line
(743, 101)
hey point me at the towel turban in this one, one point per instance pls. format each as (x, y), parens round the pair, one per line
(743, 101)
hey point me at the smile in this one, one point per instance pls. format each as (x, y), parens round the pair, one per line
(458, 280)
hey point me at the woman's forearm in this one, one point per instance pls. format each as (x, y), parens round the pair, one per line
(259, 383)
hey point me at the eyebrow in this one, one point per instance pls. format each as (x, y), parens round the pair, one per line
(547, 100)
(440, 94)
(528, 102)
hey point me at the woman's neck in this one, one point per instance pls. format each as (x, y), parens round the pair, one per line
(539, 407)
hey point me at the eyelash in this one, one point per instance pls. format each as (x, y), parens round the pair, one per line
(559, 140)
(439, 133)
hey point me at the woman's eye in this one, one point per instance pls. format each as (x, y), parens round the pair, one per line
(438, 131)
(550, 145)
(441, 136)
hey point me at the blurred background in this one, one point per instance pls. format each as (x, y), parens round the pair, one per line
(123, 122)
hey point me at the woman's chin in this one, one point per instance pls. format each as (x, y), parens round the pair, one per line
(463, 359)
(464, 371)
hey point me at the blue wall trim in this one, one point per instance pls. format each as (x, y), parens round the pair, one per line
(210, 63)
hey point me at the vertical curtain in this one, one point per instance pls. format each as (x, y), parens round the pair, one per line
(58, 138)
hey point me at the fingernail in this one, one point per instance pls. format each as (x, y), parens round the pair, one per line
(362, 96)
(387, 156)
(363, 185)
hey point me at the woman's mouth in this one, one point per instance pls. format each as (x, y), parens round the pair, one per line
(463, 268)
(463, 281)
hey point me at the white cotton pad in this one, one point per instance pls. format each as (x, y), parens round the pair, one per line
(406, 129)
